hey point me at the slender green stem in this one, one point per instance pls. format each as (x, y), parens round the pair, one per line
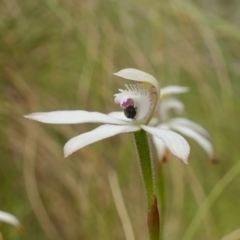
(161, 192)
(146, 169)
(146, 166)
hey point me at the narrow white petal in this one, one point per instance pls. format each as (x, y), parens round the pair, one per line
(167, 104)
(139, 76)
(190, 124)
(119, 115)
(160, 147)
(73, 117)
(154, 121)
(9, 218)
(95, 135)
(164, 126)
(176, 144)
(200, 139)
(173, 89)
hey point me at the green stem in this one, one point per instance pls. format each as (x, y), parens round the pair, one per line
(146, 169)
(146, 166)
(154, 221)
(161, 192)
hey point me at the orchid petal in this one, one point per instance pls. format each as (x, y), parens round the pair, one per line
(119, 115)
(139, 76)
(164, 126)
(143, 106)
(192, 133)
(176, 144)
(153, 122)
(170, 103)
(190, 124)
(73, 117)
(9, 218)
(173, 89)
(95, 135)
(159, 146)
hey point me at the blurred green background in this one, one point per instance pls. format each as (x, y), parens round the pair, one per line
(60, 54)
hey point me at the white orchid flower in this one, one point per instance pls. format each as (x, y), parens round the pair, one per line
(172, 89)
(138, 101)
(9, 218)
(168, 102)
(181, 125)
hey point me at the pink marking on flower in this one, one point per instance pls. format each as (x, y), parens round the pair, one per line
(126, 103)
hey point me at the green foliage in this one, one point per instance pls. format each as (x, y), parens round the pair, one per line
(59, 54)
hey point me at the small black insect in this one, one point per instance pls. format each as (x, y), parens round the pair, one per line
(130, 111)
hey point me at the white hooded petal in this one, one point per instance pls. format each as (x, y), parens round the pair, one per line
(173, 89)
(72, 117)
(9, 218)
(176, 144)
(95, 135)
(200, 139)
(139, 76)
(190, 124)
(143, 106)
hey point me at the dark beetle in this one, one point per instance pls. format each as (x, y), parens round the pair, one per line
(130, 111)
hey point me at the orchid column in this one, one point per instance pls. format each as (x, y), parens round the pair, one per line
(139, 102)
